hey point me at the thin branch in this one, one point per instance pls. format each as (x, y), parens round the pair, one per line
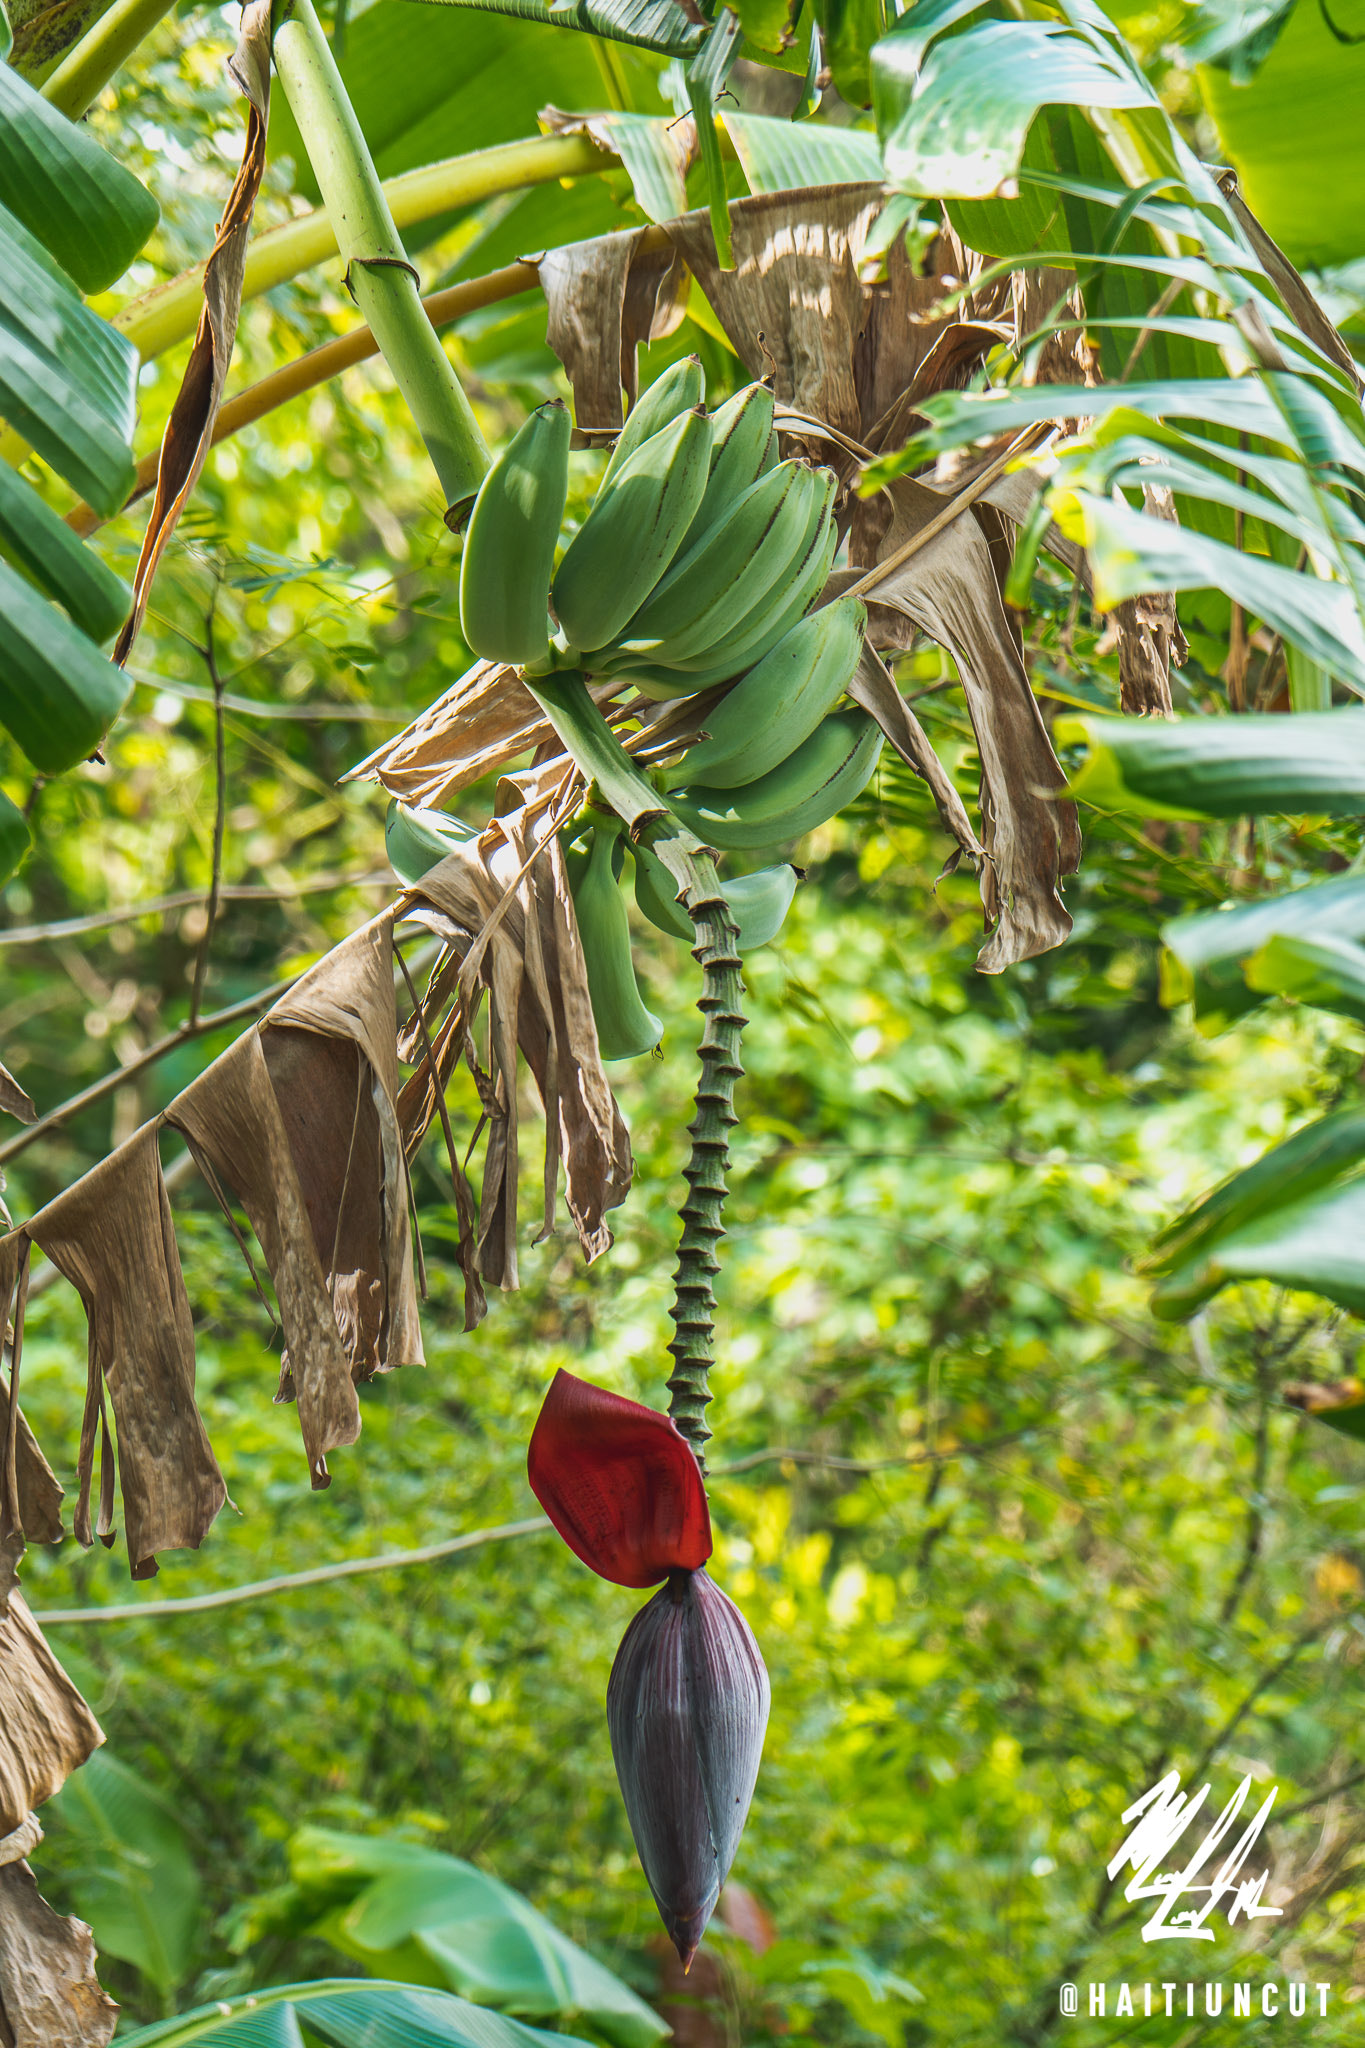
(256, 707)
(263, 1589)
(201, 962)
(184, 899)
(906, 1462)
(1255, 1525)
(250, 1006)
(1263, 1684)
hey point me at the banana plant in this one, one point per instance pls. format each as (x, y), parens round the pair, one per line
(71, 220)
(339, 2013)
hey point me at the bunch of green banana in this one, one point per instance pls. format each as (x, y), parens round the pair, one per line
(758, 903)
(624, 1025)
(812, 784)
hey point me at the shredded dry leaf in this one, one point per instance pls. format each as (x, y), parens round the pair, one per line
(604, 299)
(189, 430)
(1031, 836)
(793, 303)
(113, 1238)
(46, 1729)
(50, 1996)
(13, 1100)
(331, 1051)
(231, 1120)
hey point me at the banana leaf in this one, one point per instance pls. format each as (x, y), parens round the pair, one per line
(403, 1910)
(1310, 764)
(1209, 956)
(778, 156)
(88, 211)
(340, 2013)
(137, 1884)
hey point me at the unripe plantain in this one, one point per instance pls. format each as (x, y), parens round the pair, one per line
(811, 786)
(680, 389)
(781, 701)
(417, 840)
(632, 532)
(758, 903)
(733, 568)
(743, 448)
(509, 548)
(624, 1026)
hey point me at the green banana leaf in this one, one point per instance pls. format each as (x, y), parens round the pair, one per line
(340, 2013)
(1131, 553)
(1314, 1245)
(1209, 956)
(403, 1910)
(768, 25)
(88, 211)
(37, 541)
(1310, 764)
(1294, 1217)
(15, 837)
(1293, 131)
(58, 693)
(1327, 972)
(67, 379)
(777, 156)
(137, 1885)
(923, 78)
(851, 30)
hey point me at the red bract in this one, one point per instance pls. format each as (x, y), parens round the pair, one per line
(620, 1484)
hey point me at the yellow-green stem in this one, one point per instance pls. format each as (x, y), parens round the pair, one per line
(84, 72)
(382, 281)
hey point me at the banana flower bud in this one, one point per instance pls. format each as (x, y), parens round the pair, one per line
(687, 1702)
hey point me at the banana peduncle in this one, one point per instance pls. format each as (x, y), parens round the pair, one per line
(694, 1300)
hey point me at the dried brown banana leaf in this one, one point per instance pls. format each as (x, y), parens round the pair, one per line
(50, 1996)
(231, 1119)
(112, 1236)
(46, 1729)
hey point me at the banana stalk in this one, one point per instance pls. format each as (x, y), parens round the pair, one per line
(381, 280)
(565, 700)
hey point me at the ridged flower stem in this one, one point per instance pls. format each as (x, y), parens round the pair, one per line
(694, 1299)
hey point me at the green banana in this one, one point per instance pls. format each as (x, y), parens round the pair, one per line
(509, 548)
(732, 657)
(743, 448)
(757, 631)
(811, 786)
(416, 839)
(758, 903)
(682, 388)
(732, 569)
(632, 532)
(624, 1026)
(781, 701)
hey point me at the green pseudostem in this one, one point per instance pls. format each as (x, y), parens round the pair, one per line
(604, 762)
(379, 276)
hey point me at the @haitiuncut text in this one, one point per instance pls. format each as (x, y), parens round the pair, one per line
(1268, 2001)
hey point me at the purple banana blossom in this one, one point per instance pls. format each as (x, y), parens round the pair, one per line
(687, 1706)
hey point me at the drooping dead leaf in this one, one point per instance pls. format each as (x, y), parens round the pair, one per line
(875, 689)
(30, 1492)
(46, 1729)
(1031, 836)
(1041, 297)
(331, 1050)
(604, 299)
(13, 1100)
(50, 1996)
(231, 1119)
(520, 946)
(793, 303)
(189, 431)
(112, 1236)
